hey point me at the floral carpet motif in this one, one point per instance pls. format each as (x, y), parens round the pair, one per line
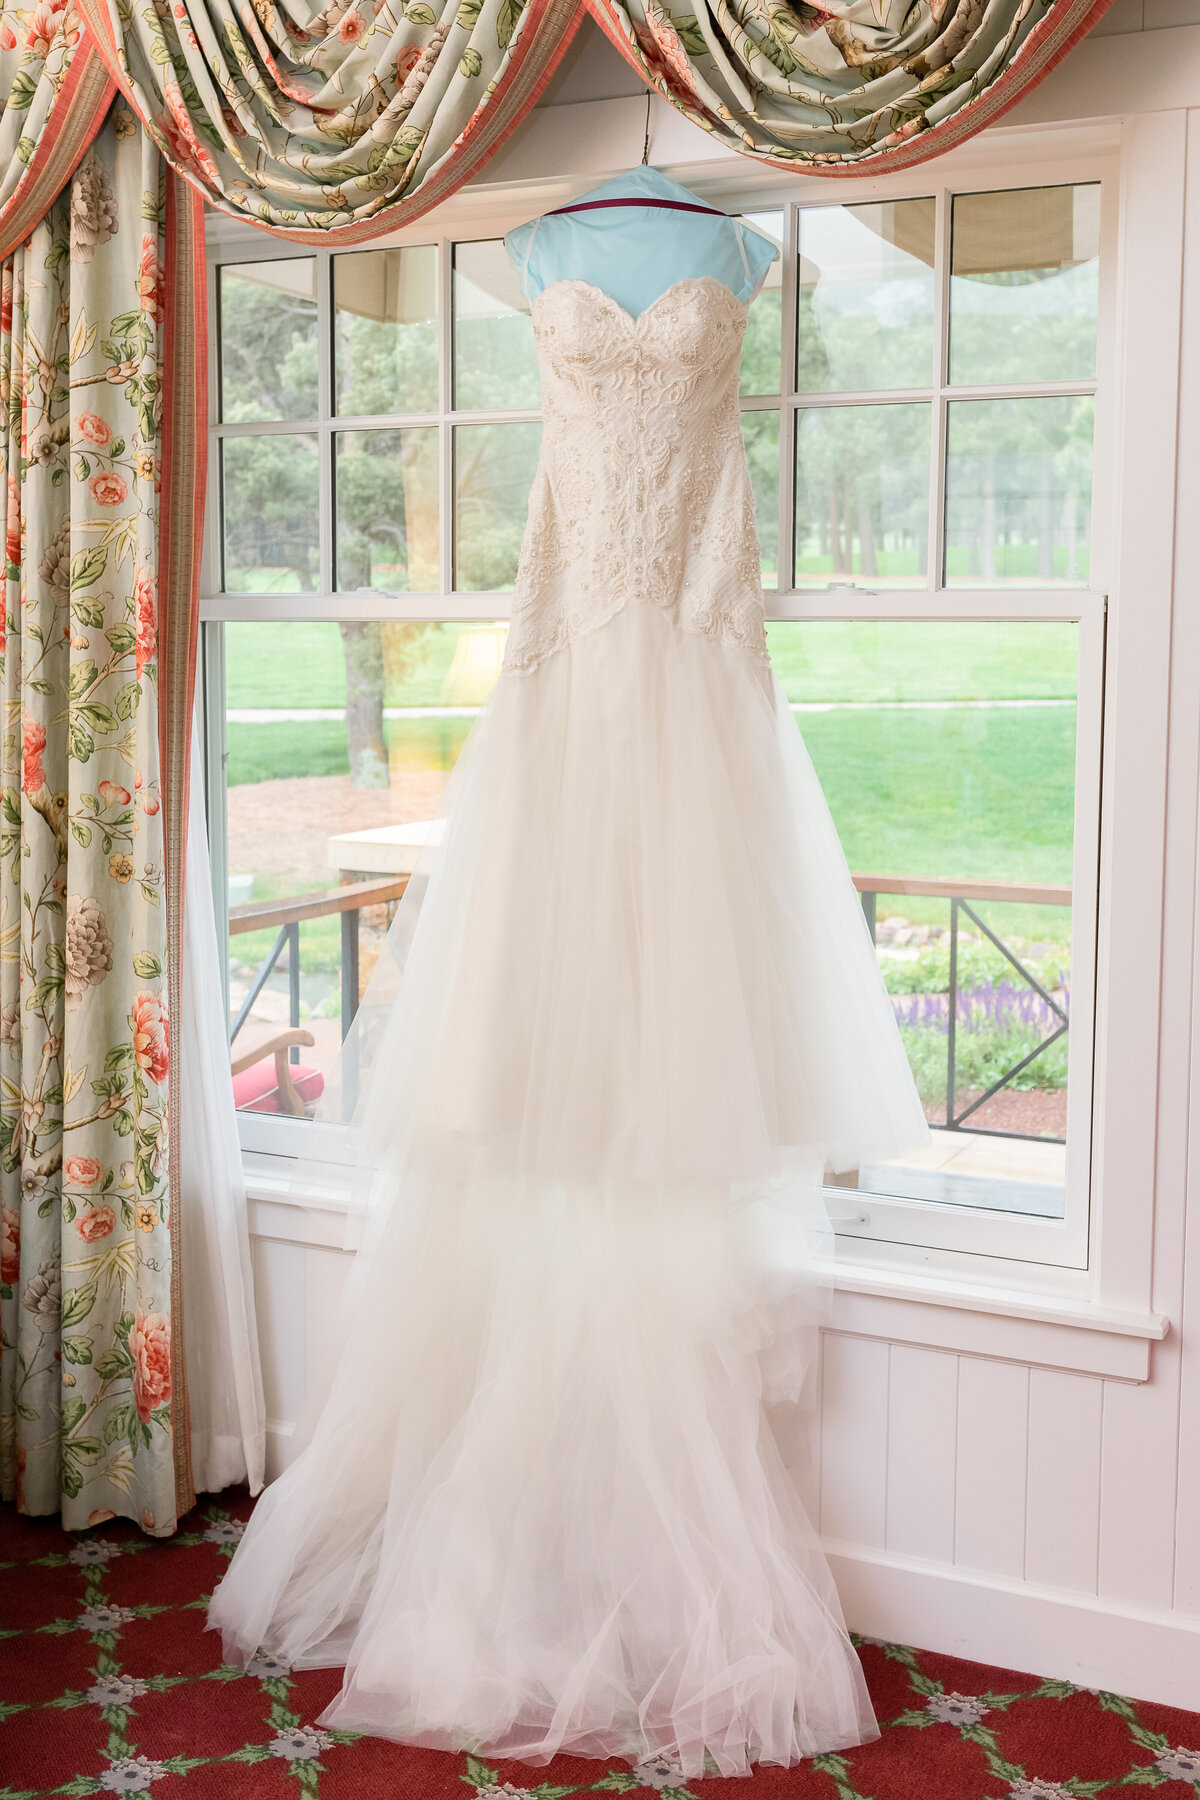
(109, 1684)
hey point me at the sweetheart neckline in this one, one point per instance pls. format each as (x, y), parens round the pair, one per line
(634, 320)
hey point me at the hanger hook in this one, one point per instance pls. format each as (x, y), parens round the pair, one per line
(646, 145)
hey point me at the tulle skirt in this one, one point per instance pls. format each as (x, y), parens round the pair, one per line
(540, 1505)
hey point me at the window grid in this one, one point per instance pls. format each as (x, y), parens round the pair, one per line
(792, 599)
(896, 1222)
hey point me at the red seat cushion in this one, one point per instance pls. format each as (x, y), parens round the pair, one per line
(254, 1090)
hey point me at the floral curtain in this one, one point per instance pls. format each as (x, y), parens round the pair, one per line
(843, 88)
(92, 1407)
(55, 92)
(355, 118)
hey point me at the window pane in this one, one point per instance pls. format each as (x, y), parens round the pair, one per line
(862, 494)
(493, 471)
(385, 331)
(1018, 491)
(269, 500)
(947, 755)
(320, 794)
(865, 297)
(764, 321)
(495, 368)
(1024, 284)
(387, 510)
(760, 434)
(268, 340)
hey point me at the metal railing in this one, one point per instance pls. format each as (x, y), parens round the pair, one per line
(288, 915)
(962, 895)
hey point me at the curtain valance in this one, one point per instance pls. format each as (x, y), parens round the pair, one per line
(54, 93)
(365, 114)
(355, 118)
(844, 88)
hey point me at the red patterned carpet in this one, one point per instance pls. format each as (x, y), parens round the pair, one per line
(109, 1684)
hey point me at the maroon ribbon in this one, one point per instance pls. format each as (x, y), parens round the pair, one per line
(667, 205)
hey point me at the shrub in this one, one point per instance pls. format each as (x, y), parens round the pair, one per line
(997, 1023)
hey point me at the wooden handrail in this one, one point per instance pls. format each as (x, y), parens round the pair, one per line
(274, 913)
(1021, 892)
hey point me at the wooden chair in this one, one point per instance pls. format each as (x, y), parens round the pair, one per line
(294, 1087)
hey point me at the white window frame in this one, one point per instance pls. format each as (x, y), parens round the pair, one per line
(1092, 1267)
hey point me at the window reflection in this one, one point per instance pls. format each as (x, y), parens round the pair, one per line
(386, 490)
(1024, 285)
(268, 340)
(493, 472)
(760, 372)
(495, 366)
(862, 494)
(271, 504)
(865, 297)
(385, 331)
(1018, 491)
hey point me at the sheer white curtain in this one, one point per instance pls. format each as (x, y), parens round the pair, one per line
(225, 1389)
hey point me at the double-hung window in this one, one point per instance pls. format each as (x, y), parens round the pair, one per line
(923, 410)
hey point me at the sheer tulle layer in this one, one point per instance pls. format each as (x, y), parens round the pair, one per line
(641, 955)
(541, 1505)
(567, 1525)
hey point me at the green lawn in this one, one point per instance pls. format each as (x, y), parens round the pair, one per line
(865, 660)
(969, 792)
(948, 791)
(966, 792)
(301, 664)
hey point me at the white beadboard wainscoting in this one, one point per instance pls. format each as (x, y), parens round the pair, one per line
(993, 1508)
(1001, 1479)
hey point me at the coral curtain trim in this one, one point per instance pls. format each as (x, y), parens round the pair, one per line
(545, 34)
(77, 115)
(1045, 47)
(181, 528)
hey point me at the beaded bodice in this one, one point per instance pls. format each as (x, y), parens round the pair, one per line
(642, 495)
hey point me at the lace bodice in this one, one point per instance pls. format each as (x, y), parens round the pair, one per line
(642, 494)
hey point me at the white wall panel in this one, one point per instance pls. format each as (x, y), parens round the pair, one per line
(854, 1438)
(1062, 1516)
(1181, 1167)
(922, 1424)
(992, 1462)
(1137, 1488)
(279, 1283)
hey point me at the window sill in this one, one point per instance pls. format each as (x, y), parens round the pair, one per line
(1050, 1329)
(1055, 1329)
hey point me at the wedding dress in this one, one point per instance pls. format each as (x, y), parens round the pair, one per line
(541, 1506)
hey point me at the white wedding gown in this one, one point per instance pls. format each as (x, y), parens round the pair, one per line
(541, 1506)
